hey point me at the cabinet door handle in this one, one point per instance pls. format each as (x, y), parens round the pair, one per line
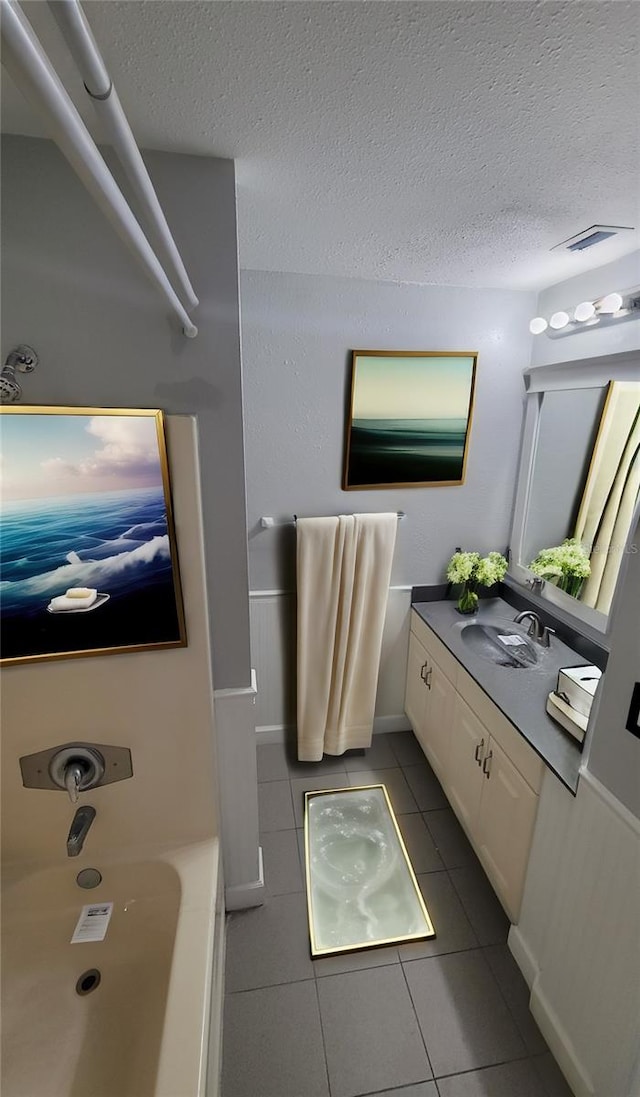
(422, 671)
(478, 752)
(486, 765)
(427, 678)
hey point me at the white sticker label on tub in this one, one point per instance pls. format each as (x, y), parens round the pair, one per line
(511, 641)
(93, 923)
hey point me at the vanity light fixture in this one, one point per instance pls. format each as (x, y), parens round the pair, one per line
(610, 308)
(611, 303)
(584, 311)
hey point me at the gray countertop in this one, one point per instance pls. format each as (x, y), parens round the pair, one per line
(520, 694)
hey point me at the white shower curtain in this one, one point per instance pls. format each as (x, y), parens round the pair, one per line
(343, 574)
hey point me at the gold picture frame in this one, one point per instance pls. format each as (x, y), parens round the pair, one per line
(421, 905)
(88, 554)
(409, 420)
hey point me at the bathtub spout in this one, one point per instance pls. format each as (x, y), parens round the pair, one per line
(82, 821)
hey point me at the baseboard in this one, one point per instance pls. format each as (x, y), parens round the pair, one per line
(251, 894)
(279, 733)
(523, 956)
(384, 724)
(547, 1019)
(559, 1043)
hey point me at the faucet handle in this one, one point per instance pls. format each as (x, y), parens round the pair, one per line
(73, 774)
(546, 634)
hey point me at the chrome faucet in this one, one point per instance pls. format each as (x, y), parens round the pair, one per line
(79, 829)
(537, 631)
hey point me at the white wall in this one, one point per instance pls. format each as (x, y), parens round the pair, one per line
(297, 335)
(593, 341)
(577, 938)
(614, 753)
(71, 290)
(157, 703)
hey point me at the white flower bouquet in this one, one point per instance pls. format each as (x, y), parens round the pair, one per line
(473, 570)
(566, 566)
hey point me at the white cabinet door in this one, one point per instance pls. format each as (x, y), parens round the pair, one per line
(438, 719)
(469, 742)
(504, 827)
(416, 693)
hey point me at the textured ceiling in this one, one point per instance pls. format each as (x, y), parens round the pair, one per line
(442, 142)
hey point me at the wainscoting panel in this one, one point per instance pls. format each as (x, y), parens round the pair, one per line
(273, 654)
(577, 941)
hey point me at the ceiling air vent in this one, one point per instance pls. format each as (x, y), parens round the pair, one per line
(588, 237)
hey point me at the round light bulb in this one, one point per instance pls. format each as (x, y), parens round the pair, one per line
(537, 325)
(611, 303)
(559, 320)
(584, 311)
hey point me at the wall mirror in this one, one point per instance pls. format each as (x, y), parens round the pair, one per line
(578, 482)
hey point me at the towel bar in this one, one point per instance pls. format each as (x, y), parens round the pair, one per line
(270, 523)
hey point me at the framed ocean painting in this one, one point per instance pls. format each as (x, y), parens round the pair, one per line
(88, 562)
(409, 419)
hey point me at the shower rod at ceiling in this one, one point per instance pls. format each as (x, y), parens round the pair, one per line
(33, 73)
(104, 97)
(270, 523)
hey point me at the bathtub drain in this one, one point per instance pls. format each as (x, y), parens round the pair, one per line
(88, 981)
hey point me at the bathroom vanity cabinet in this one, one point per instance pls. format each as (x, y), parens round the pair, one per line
(490, 774)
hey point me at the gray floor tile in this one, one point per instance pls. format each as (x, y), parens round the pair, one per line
(423, 1089)
(300, 785)
(300, 844)
(273, 1043)
(282, 872)
(268, 945)
(329, 764)
(451, 841)
(519, 1079)
(406, 748)
(356, 1010)
(422, 852)
(399, 792)
(275, 810)
(453, 929)
(355, 961)
(378, 756)
(425, 786)
(553, 1080)
(516, 994)
(464, 1020)
(482, 906)
(272, 762)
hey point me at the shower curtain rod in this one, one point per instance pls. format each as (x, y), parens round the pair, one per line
(270, 523)
(104, 97)
(30, 68)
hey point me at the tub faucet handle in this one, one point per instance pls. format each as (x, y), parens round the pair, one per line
(73, 775)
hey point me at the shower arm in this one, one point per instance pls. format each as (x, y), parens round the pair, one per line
(33, 73)
(104, 97)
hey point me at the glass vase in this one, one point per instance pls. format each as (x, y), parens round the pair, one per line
(467, 600)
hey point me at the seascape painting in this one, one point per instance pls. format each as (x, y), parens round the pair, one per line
(88, 561)
(410, 418)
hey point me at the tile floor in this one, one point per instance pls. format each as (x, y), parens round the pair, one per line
(442, 1018)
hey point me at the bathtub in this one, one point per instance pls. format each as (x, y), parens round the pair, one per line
(144, 1031)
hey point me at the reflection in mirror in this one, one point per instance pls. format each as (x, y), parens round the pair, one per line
(583, 490)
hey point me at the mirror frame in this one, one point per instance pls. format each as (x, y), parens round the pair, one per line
(583, 373)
